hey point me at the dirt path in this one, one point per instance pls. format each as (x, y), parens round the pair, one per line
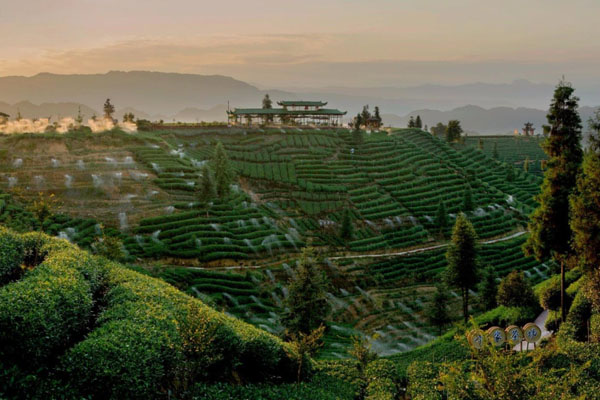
(423, 249)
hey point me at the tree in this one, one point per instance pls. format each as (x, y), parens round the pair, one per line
(453, 131)
(437, 311)
(79, 118)
(207, 184)
(411, 122)
(222, 171)
(418, 122)
(526, 165)
(128, 117)
(306, 345)
(441, 217)
(585, 213)
(594, 128)
(377, 116)
(480, 144)
(18, 117)
(267, 104)
(365, 115)
(358, 121)
(489, 290)
(306, 305)
(550, 231)
(515, 291)
(43, 207)
(468, 200)
(439, 130)
(462, 270)
(346, 229)
(109, 109)
(495, 154)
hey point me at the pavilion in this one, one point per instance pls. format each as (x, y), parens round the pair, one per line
(291, 113)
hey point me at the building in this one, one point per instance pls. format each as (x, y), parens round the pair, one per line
(291, 113)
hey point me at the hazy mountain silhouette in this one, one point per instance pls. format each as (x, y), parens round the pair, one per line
(152, 92)
(500, 108)
(497, 120)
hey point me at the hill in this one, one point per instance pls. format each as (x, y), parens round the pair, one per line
(151, 92)
(292, 189)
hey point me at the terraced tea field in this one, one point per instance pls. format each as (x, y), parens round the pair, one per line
(513, 150)
(292, 188)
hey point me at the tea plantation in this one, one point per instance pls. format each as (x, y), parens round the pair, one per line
(291, 189)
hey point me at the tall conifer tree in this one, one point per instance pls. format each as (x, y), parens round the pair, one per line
(462, 271)
(551, 233)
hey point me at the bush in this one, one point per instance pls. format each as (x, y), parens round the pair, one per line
(423, 381)
(515, 291)
(381, 381)
(11, 256)
(45, 312)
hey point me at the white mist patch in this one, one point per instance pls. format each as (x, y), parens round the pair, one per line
(40, 125)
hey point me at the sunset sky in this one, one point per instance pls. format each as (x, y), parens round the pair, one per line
(308, 43)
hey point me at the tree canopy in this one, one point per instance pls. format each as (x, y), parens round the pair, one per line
(462, 271)
(453, 131)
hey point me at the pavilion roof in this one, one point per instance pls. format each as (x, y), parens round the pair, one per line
(281, 111)
(286, 103)
(4, 115)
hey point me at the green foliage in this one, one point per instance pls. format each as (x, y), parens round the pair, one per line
(222, 171)
(468, 200)
(346, 229)
(585, 213)
(104, 331)
(381, 381)
(515, 291)
(110, 247)
(207, 185)
(441, 217)
(438, 130)
(453, 131)
(109, 109)
(437, 312)
(423, 381)
(550, 230)
(11, 256)
(306, 304)
(488, 290)
(418, 122)
(462, 271)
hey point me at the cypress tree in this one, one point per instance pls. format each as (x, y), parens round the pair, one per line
(550, 232)
(480, 144)
(207, 184)
(411, 122)
(462, 270)
(306, 304)
(222, 170)
(346, 229)
(526, 165)
(437, 311)
(495, 151)
(585, 213)
(468, 200)
(418, 122)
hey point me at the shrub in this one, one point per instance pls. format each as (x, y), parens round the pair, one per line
(381, 381)
(11, 256)
(515, 291)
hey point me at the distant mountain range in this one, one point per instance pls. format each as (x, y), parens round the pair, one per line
(475, 119)
(500, 108)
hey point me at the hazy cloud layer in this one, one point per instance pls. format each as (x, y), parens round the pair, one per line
(315, 43)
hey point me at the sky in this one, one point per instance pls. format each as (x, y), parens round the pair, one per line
(309, 43)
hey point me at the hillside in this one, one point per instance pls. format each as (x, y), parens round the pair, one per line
(292, 189)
